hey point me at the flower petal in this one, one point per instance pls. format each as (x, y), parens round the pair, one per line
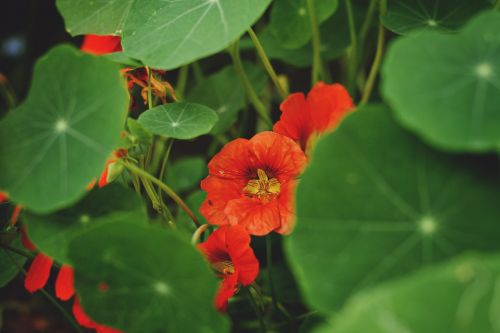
(38, 273)
(258, 218)
(295, 120)
(232, 161)
(65, 283)
(219, 192)
(242, 255)
(226, 290)
(100, 45)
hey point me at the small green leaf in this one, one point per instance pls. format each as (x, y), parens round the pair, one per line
(168, 34)
(58, 140)
(156, 281)
(290, 21)
(186, 173)
(458, 296)
(193, 201)
(404, 16)
(138, 134)
(100, 17)
(447, 87)
(179, 120)
(224, 93)
(10, 262)
(375, 204)
(52, 233)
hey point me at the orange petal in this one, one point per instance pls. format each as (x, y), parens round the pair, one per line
(65, 283)
(38, 273)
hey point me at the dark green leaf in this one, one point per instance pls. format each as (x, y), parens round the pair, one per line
(156, 281)
(447, 87)
(375, 204)
(138, 134)
(179, 120)
(10, 262)
(58, 140)
(186, 173)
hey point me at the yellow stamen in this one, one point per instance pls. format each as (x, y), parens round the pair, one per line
(262, 186)
(224, 267)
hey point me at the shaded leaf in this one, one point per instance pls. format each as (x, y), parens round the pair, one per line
(186, 173)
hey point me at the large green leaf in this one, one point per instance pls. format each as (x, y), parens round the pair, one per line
(375, 203)
(193, 201)
(462, 297)
(447, 87)
(290, 20)
(186, 173)
(101, 17)
(179, 120)
(52, 233)
(58, 140)
(224, 93)
(156, 281)
(167, 34)
(10, 262)
(404, 16)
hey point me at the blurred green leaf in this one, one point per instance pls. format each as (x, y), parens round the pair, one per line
(447, 87)
(186, 173)
(193, 201)
(461, 296)
(179, 120)
(10, 262)
(290, 22)
(138, 134)
(52, 233)
(375, 204)
(404, 16)
(224, 93)
(58, 140)
(168, 34)
(155, 281)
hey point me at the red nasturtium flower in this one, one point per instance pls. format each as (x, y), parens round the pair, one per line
(228, 251)
(112, 169)
(3, 196)
(251, 184)
(100, 45)
(303, 118)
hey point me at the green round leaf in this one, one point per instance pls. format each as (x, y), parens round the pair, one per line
(100, 17)
(58, 140)
(186, 173)
(167, 34)
(193, 201)
(52, 233)
(404, 16)
(179, 120)
(290, 20)
(157, 282)
(447, 87)
(375, 204)
(10, 262)
(227, 97)
(460, 296)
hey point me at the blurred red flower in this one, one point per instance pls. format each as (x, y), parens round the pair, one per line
(251, 184)
(228, 251)
(303, 118)
(100, 45)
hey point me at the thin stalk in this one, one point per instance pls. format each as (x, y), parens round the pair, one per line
(317, 70)
(267, 64)
(368, 21)
(250, 92)
(20, 252)
(164, 165)
(269, 259)
(182, 81)
(370, 82)
(144, 174)
(150, 95)
(198, 72)
(353, 49)
(262, 324)
(158, 204)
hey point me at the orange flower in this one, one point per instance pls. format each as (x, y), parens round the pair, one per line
(251, 183)
(100, 45)
(112, 170)
(303, 118)
(228, 251)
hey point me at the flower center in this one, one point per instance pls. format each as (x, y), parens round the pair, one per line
(224, 267)
(262, 186)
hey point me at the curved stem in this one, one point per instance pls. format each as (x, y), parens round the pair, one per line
(181, 81)
(250, 92)
(164, 165)
(257, 311)
(150, 95)
(317, 70)
(267, 64)
(141, 173)
(370, 82)
(353, 49)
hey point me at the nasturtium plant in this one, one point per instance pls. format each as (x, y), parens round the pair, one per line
(417, 207)
(64, 131)
(458, 296)
(144, 279)
(446, 87)
(185, 174)
(179, 120)
(10, 262)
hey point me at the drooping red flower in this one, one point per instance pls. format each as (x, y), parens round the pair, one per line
(303, 118)
(65, 283)
(112, 169)
(84, 320)
(251, 184)
(100, 45)
(39, 272)
(228, 251)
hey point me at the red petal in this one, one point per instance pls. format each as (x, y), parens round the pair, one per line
(81, 317)
(232, 161)
(226, 291)
(243, 258)
(103, 179)
(65, 283)
(258, 218)
(295, 120)
(3, 197)
(99, 45)
(38, 273)
(286, 205)
(219, 192)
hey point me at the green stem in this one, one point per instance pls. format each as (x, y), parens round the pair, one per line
(250, 92)
(370, 82)
(20, 252)
(269, 259)
(150, 95)
(164, 165)
(353, 49)
(317, 70)
(141, 173)
(257, 311)
(267, 64)
(198, 72)
(182, 81)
